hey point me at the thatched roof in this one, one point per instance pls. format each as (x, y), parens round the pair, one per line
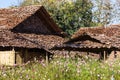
(100, 37)
(10, 39)
(32, 19)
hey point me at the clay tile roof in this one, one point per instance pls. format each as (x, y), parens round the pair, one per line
(95, 37)
(108, 31)
(108, 36)
(12, 17)
(46, 41)
(10, 39)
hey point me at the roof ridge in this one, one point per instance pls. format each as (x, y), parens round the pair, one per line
(97, 30)
(109, 26)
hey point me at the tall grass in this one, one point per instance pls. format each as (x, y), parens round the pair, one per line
(63, 69)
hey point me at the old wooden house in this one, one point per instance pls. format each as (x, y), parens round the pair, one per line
(99, 42)
(27, 33)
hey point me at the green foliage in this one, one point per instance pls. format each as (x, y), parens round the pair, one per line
(73, 14)
(69, 15)
(67, 69)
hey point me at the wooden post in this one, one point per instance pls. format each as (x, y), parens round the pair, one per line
(100, 55)
(69, 54)
(88, 54)
(47, 58)
(26, 55)
(115, 54)
(104, 55)
(22, 56)
(13, 52)
(107, 55)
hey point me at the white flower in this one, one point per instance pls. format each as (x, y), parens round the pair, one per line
(112, 77)
(4, 75)
(98, 75)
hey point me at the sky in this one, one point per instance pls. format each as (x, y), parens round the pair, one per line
(7, 3)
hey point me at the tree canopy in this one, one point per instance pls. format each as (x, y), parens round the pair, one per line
(70, 15)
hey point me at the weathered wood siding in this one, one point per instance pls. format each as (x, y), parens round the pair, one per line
(32, 56)
(112, 56)
(19, 57)
(32, 24)
(7, 57)
(24, 55)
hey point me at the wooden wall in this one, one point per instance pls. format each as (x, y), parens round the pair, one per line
(114, 55)
(25, 55)
(32, 24)
(73, 54)
(20, 55)
(7, 57)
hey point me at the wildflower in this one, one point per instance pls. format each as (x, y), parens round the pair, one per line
(27, 76)
(20, 77)
(98, 76)
(15, 65)
(91, 72)
(4, 75)
(118, 71)
(43, 65)
(78, 71)
(66, 70)
(112, 77)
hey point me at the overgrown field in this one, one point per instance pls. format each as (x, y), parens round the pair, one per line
(63, 69)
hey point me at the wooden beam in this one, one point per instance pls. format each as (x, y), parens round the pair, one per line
(26, 55)
(13, 52)
(104, 55)
(46, 58)
(107, 54)
(115, 54)
(100, 55)
(69, 54)
(22, 55)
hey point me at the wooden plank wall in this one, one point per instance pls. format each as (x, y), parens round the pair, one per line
(19, 57)
(7, 57)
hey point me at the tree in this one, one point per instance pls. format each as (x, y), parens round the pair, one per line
(116, 12)
(105, 12)
(68, 14)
